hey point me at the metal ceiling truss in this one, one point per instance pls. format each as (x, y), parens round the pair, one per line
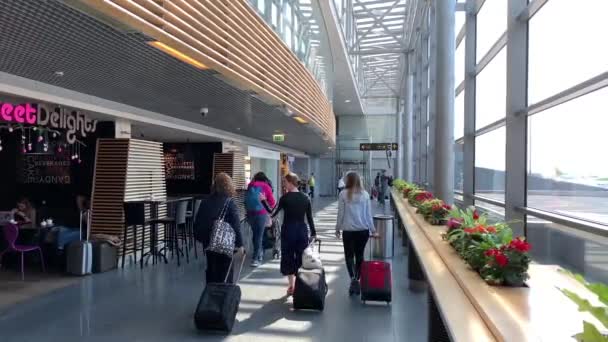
(379, 44)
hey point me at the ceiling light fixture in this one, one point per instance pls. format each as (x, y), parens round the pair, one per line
(59, 73)
(300, 119)
(176, 54)
(346, 101)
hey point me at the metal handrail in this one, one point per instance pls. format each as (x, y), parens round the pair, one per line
(588, 226)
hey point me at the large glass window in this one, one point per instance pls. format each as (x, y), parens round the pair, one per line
(563, 55)
(458, 167)
(490, 164)
(287, 36)
(491, 24)
(459, 116)
(262, 6)
(572, 249)
(460, 19)
(491, 91)
(275, 15)
(494, 212)
(459, 63)
(568, 167)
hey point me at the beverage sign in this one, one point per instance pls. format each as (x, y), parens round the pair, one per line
(45, 169)
(378, 147)
(177, 167)
(58, 118)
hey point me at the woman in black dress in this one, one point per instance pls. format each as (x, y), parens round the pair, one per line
(295, 233)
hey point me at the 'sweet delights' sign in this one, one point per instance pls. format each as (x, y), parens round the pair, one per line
(71, 121)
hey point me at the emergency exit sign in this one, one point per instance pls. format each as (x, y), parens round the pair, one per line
(278, 137)
(378, 147)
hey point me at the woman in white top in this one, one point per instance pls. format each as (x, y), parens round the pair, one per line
(355, 225)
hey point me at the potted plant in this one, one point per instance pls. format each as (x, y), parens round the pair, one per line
(418, 196)
(508, 264)
(435, 211)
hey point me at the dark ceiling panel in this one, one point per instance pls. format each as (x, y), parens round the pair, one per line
(40, 38)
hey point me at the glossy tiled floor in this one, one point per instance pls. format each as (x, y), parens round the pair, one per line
(156, 304)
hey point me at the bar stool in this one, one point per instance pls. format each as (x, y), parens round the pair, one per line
(154, 222)
(172, 236)
(135, 216)
(191, 217)
(181, 229)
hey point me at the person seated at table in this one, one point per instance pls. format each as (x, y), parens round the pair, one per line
(62, 235)
(24, 214)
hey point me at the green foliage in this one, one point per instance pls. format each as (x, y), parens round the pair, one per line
(590, 332)
(399, 184)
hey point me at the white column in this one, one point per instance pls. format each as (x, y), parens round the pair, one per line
(444, 97)
(409, 128)
(122, 129)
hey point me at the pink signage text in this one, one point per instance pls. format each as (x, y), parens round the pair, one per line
(22, 113)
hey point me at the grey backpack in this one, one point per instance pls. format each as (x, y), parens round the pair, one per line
(223, 236)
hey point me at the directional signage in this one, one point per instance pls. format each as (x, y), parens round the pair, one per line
(378, 147)
(278, 137)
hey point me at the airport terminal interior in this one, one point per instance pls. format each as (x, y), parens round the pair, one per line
(304, 170)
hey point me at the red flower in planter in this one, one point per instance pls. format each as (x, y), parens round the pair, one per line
(499, 257)
(491, 229)
(501, 260)
(475, 215)
(447, 206)
(423, 196)
(406, 191)
(436, 207)
(519, 245)
(455, 223)
(481, 229)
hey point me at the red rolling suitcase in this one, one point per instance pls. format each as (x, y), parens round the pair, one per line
(375, 280)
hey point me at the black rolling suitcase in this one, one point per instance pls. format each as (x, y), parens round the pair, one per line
(218, 305)
(310, 289)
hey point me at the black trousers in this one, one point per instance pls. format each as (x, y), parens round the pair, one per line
(217, 267)
(294, 239)
(354, 247)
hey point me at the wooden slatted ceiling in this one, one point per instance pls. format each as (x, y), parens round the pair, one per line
(126, 170)
(229, 37)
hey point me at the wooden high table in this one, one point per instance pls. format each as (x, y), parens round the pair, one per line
(462, 307)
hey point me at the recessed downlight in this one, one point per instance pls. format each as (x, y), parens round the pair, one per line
(346, 101)
(300, 119)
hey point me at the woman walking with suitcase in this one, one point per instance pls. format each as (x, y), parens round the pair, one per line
(219, 206)
(355, 225)
(297, 211)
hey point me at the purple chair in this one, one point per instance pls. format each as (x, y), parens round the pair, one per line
(11, 233)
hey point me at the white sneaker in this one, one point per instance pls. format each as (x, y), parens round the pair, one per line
(255, 263)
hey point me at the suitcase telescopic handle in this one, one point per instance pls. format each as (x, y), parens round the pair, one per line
(371, 246)
(238, 276)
